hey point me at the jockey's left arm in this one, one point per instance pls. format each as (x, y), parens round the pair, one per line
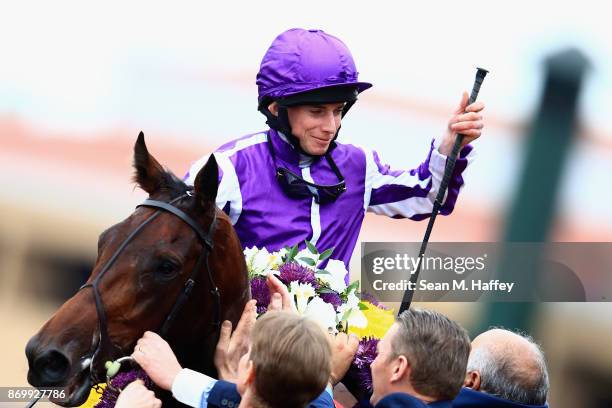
(411, 193)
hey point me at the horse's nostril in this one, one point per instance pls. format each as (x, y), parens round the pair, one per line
(52, 367)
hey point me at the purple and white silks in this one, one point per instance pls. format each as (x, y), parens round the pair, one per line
(264, 216)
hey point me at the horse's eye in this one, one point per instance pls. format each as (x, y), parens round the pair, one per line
(167, 268)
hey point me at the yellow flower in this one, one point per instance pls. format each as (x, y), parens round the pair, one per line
(275, 260)
(94, 397)
(379, 321)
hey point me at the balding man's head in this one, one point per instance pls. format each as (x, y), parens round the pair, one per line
(508, 365)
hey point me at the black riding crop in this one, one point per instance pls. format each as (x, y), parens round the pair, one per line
(448, 170)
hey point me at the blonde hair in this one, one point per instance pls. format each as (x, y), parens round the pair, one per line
(292, 359)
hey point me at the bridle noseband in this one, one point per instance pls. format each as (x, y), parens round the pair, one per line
(105, 345)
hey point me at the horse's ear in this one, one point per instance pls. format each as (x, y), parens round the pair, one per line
(207, 182)
(149, 173)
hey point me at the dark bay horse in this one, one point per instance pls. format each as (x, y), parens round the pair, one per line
(174, 266)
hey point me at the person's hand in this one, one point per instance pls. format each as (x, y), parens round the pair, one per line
(466, 120)
(344, 349)
(156, 358)
(231, 347)
(136, 395)
(280, 299)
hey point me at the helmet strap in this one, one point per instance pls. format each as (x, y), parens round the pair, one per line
(281, 124)
(283, 119)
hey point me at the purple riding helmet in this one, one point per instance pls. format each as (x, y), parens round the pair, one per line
(303, 67)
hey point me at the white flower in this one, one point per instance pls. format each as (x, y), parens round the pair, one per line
(353, 316)
(305, 253)
(351, 299)
(302, 292)
(351, 313)
(357, 319)
(249, 253)
(261, 260)
(249, 257)
(335, 277)
(323, 313)
(282, 252)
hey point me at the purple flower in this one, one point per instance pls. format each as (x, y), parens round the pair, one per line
(261, 293)
(358, 378)
(332, 298)
(366, 353)
(120, 381)
(367, 297)
(292, 271)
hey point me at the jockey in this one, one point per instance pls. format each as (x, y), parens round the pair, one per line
(296, 182)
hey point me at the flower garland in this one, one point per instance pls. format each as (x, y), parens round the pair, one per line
(317, 284)
(119, 382)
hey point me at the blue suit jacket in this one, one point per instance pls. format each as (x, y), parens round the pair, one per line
(400, 399)
(469, 398)
(225, 395)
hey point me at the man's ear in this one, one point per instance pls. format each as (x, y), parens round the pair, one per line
(472, 380)
(273, 108)
(401, 369)
(250, 375)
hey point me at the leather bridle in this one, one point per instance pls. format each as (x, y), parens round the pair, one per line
(105, 346)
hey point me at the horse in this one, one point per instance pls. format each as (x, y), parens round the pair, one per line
(174, 266)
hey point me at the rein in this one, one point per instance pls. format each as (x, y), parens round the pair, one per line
(105, 345)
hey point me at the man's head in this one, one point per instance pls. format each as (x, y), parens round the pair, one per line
(302, 69)
(508, 365)
(424, 354)
(289, 363)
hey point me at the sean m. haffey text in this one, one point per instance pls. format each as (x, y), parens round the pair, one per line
(457, 265)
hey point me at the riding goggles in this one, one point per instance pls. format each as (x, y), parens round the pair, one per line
(295, 186)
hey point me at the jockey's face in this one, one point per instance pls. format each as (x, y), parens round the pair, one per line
(314, 125)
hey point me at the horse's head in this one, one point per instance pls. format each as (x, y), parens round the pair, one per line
(145, 264)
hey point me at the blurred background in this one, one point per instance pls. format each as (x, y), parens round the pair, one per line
(78, 81)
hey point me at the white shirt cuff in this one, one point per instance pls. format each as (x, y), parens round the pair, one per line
(191, 387)
(437, 162)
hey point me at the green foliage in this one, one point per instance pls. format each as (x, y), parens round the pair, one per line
(311, 247)
(326, 254)
(325, 289)
(309, 261)
(291, 253)
(354, 285)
